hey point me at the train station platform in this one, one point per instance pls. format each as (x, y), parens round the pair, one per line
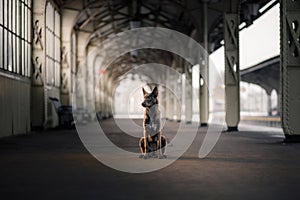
(253, 163)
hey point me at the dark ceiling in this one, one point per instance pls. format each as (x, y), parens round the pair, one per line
(103, 18)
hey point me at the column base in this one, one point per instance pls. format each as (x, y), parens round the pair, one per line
(232, 128)
(291, 138)
(203, 125)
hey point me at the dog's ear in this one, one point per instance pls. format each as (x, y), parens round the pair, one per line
(155, 92)
(144, 92)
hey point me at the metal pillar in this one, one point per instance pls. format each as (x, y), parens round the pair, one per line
(68, 16)
(232, 65)
(203, 85)
(269, 104)
(290, 68)
(163, 101)
(171, 99)
(188, 94)
(81, 73)
(38, 78)
(169, 107)
(178, 101)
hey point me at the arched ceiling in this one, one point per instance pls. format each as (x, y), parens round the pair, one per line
(125, 63)
(103, 18)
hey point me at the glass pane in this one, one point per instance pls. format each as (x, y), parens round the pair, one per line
(29, 60)
(18, 55)
(23, 58)
(5, 12)
(22, 21)
(26, 24)
(13, 15)
(5, 49)
(9, 14)
(17, 17)
(29, 26)
(51, 18)
(48, 70)
(52, 45)
(57, 72)
(13, 53)
(1, 47)
(57, 24)
(51, 67)
(9, 52)
(1, 11)
(56, 49)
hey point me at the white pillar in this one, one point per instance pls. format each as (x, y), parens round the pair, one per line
(38, 100)
(203, 78)
(188, 94)
(232, 67)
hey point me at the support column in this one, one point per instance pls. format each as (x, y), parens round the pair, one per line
(171, 98)
(163, 101)
(204, 70)
(167, 97)
(178, 100)
(68, 17)
(188, 94)
(290, 68)
(269, 104)
(81, 73)
(90, 82)
(38, 73)
(232, 64)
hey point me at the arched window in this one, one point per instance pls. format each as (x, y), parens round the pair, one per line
(53, 49)
(15, 36)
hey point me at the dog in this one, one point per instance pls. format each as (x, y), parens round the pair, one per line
(153, 140)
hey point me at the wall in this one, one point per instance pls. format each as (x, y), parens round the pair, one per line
(14, 104)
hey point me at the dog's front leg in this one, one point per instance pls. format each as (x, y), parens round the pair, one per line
(145, 156)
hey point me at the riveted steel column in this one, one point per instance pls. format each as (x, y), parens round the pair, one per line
(290, 68)
(82, 37)
(188, 94)
(67, 20)
(38, 76)
(203, 85)
(232, 65)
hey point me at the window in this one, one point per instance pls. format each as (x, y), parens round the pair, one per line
(15, 19)
(52, 46)
(73, 61)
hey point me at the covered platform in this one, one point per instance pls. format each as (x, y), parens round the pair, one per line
(248, 164)
(79, 63)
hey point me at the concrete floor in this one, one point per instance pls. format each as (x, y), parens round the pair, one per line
(250, 164)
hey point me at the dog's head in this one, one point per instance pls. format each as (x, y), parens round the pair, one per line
(150, 98)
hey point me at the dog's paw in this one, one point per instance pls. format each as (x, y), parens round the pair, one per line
(162, 156)
(141, 156)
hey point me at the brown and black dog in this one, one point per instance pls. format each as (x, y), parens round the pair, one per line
(153, 139)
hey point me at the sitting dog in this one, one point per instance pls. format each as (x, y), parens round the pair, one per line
(153, 140)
